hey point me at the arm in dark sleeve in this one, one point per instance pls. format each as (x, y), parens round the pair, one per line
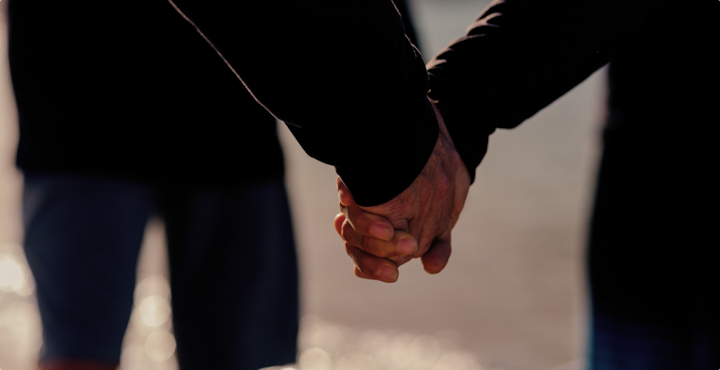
(407, 17)
(341, 74)
(520, 56)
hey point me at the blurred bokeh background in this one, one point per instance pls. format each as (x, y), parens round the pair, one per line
(512, 297)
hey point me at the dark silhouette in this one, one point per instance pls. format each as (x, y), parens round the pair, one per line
(126, 112)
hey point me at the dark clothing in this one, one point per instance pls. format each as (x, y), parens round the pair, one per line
(336, 103)
(652, 246)
(341, 74)
(407, 19)
(653, 256)
(310, 75)
(132, 91)
(315, 79)
(82, 240)
(520, 56)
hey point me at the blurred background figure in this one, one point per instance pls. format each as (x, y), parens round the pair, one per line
(126, 113)
(652, 245)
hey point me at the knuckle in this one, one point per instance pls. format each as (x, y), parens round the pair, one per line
(444, 183)
(364, 217)
(380, 249)
(365, 268)
(370, 247)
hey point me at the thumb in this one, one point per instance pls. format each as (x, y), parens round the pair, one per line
(344, 193)
(436, 258)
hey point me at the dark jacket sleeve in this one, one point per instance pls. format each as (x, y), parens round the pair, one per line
(341, 74)
(520, 56)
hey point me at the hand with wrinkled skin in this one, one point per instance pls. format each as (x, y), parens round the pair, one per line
(416, 223)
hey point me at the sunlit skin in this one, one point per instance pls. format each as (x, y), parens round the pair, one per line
(415, 224)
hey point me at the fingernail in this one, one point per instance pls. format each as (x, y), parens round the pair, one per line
(406, 247)
(380, 232)
(388, 274)
(341, 195)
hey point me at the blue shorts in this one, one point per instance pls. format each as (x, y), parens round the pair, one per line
(233, 268)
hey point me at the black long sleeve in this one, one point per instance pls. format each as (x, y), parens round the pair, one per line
(520, 56)
(303, 61)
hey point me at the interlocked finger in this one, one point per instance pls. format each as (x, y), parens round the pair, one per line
(370, 267)
(402, 244)
(366, 223)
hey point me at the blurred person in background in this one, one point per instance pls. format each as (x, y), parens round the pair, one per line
(126, 112)
(652, 245)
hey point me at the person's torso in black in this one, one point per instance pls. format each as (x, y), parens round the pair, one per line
(132, 91)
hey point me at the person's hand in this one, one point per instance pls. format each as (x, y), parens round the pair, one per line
(416, 223)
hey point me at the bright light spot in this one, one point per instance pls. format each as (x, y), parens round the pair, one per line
(450, 340)
(315, 359)
(336, 347)
(448, 361)
(425, 349)
(154, 311)
(12, 278)
(457, 361)
(160, 346)
(152, 285)
(133, 357)
(326, 336)
(20, 328)
(356, 361)
(471, 364)
(374, 342)
(400, 350)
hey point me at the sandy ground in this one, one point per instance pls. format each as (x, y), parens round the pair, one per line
(513, 294)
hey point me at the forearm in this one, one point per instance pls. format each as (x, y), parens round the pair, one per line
(303, 61)
(520, 56)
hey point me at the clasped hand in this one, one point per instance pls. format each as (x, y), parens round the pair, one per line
(415, 224)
